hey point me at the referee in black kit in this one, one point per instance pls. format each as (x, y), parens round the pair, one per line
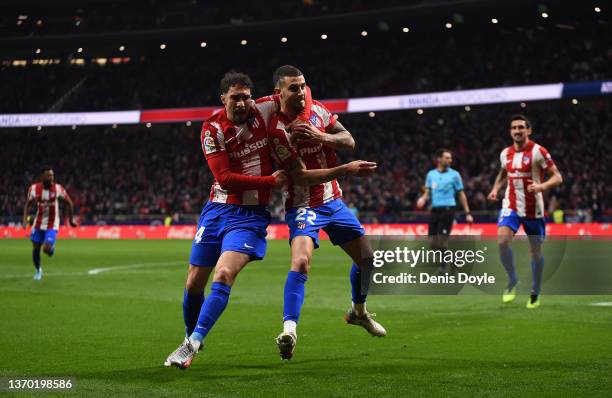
(442, 184)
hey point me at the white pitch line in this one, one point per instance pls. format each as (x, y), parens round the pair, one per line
(602, 304)
(93, 271)
(45, 274)
(96, 271)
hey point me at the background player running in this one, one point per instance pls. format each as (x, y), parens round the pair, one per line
(443, 184)
(232, 227)
(523, 165)
(46, 194)
(310, 209)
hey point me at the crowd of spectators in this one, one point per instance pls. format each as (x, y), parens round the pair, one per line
(138, 172)
(133, 15)
(404, 143)
(135, 173)
(379, 64)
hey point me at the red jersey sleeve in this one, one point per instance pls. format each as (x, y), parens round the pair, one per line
(32, 192)
(213, 140)
(545, 160)
(213, 145)
(61, 192)
(275, 98)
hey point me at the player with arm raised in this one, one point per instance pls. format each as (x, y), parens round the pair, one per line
(46, 194)
(523, 166)
(316, 207)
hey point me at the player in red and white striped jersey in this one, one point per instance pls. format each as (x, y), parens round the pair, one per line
(523, 165)
(46, 194)
(310, 209)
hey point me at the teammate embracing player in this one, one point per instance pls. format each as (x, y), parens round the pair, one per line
(523, 165)
(320, 206)
(240, 152)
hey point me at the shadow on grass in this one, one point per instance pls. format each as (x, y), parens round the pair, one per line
(412, 367)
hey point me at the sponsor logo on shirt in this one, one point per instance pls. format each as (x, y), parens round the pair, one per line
(249, 148)
(310, 149)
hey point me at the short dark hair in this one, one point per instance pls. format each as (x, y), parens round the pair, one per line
(43, 169)
(235, 79)
(284, 71)
(440, 152)
(518, 116)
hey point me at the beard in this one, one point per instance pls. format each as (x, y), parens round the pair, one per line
(46, 184)
(299, 104)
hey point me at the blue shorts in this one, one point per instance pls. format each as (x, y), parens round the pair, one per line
(39, 236)
(333, 217)
(532, 226)
(226, 227)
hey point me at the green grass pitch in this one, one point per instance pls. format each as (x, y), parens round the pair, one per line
(112, 331)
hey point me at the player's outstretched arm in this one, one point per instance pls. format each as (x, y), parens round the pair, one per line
(500, 180)
(287, 157)
(554, 179)
(301, 176)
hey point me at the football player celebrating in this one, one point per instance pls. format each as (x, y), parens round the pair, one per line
(320, 206)
(46, 194)
(232, 228)
(523, 165)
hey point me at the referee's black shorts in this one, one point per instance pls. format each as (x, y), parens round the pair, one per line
(441, 220)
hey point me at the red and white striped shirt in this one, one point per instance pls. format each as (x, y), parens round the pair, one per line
(522, 166)
(47, 215)
(315, 156)
(250, 149)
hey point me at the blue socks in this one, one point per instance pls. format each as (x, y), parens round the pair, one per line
(36, 258)
(358, 297)
(211, 310)
(507, 260)
(192, 304)
(537, 267)
(294, 296)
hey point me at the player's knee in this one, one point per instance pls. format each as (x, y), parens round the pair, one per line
(47, 248)
(193, 286)
(504, 241)
(300, 264)
(504, 244)
(225, 275)
(196, 281)
(536, 252)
